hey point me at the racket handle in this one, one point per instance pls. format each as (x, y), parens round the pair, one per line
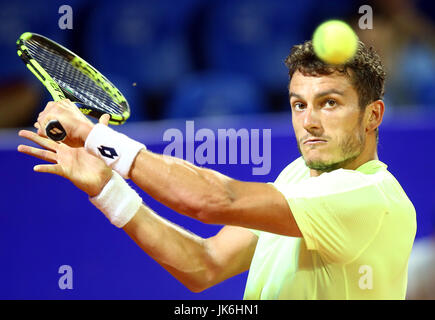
(55, 131)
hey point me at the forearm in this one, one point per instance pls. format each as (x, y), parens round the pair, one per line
(183, 254)
(211, 197)
(178, 184)
(196, 192)
(200, 193)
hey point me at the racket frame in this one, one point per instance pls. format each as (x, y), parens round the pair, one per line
(58, 93)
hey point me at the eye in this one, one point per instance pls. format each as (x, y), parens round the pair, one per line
(330, 103)
(298, 106)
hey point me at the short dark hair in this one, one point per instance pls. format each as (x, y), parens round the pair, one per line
(368, 76)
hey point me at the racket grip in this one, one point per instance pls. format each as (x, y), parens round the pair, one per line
(55, 131)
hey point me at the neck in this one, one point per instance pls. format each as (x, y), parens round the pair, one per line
(369, 153)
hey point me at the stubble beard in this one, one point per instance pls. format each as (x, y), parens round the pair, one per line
(351, 147)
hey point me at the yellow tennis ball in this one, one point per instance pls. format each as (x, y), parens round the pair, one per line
(335, 42)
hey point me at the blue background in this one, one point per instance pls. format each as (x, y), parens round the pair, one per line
(219, 62)
(45, 222)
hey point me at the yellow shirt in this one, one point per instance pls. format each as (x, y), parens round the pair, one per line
(358, 228)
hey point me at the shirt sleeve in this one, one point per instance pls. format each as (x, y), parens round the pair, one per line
(338, 213)
(256, 232)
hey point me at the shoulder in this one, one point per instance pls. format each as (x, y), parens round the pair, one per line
(296, 171)
(335, 182)
(342, 190)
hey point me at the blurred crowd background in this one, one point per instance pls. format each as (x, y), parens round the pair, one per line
(190, 58)
(194, 58)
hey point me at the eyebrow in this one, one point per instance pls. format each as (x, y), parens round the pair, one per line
(318, 95)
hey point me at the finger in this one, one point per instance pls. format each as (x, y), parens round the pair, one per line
(41, 117)
(40, 125)
(45, 116)
(41, 132)
(49, 108)
(49, 168)
(104, 119)
(49, 105)
(66, 103)
(41, 141)
(38, 153)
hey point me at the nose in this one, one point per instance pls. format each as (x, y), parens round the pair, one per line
(312, 121)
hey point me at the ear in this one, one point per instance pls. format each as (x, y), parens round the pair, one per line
(374, 115)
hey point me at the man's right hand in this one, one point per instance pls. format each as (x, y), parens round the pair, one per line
(75, 123)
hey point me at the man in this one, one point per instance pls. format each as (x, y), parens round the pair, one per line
(334, 225)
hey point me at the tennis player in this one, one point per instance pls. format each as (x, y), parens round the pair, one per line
(335, 224)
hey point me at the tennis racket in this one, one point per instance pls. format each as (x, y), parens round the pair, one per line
(67, 76)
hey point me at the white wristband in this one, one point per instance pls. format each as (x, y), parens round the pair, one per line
(118, 201)
(116, 149)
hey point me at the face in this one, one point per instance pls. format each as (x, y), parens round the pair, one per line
(327, 120)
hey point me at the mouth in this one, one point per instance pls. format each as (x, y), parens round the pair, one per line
(314, 141)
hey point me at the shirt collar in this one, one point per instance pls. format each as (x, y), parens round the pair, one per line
(372, 166)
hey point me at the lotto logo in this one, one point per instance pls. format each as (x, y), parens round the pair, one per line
(107, 152)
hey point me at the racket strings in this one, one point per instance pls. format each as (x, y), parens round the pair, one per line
(72, 80)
